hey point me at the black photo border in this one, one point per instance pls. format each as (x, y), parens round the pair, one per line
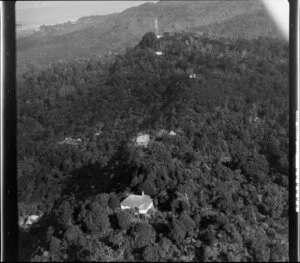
(8, 165)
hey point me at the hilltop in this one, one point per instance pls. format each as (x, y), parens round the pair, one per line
(219, 184)
(99, 34)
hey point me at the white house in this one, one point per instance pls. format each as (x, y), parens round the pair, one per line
(142, 140)
(192, 76)
(172, 133)
(30, 220)
(141, 202)
(159, 53)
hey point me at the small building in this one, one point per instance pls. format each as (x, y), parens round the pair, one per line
(32, 219)
(70, 141)
(141, 202)
(162, 132)
(26, 222)
(225, 158)
(200, 33)
(192, 76)
(142, 140)
(159, 53)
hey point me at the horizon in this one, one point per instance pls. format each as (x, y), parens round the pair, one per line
(30, 15)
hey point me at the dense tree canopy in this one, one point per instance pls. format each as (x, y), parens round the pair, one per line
(222, 179)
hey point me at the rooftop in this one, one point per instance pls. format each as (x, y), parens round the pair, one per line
(142, 140)
(70, 141)
(142, 202)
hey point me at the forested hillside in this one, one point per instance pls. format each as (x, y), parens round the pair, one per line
(220, 185)
(97, 34)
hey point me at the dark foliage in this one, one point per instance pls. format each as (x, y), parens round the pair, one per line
(142, 235)
(124, 219)
(219, 185)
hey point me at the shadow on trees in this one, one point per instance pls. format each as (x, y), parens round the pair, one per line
(83, 184)
(93, 179)
(32, 239)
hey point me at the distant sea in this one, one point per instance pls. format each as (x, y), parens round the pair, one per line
(30, 15)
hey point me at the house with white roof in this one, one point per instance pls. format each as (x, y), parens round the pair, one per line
(141, 202)
(26, 222)
(142, 139)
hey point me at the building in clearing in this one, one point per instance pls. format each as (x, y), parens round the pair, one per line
(162, 132)
(70, 141)
(26, 222)
(159, 53)
(141, 202)
(142, 140)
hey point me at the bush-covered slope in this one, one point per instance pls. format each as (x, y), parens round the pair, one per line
(219, 185)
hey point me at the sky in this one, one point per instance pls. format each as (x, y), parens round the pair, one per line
(32, 14)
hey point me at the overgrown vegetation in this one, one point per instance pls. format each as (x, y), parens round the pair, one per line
(219, 186)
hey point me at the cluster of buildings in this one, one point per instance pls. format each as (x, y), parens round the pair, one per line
(143, 139)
